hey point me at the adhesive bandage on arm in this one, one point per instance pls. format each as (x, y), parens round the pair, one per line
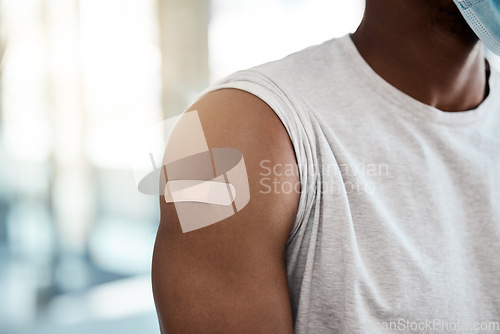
(209, 192)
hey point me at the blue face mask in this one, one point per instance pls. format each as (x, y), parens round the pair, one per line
(483, 16)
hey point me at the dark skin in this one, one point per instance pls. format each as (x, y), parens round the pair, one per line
(231, 277)
(425, 49)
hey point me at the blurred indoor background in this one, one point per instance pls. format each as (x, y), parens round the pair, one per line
(76, 236)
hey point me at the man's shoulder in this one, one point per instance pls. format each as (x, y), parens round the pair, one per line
(237, 120)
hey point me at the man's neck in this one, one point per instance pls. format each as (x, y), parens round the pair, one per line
(432, 63)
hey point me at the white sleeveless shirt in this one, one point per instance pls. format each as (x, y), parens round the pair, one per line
(398, 226)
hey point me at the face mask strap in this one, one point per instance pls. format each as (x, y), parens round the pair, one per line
(466, 4)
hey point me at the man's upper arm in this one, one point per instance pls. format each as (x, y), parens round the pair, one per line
(230, 277)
